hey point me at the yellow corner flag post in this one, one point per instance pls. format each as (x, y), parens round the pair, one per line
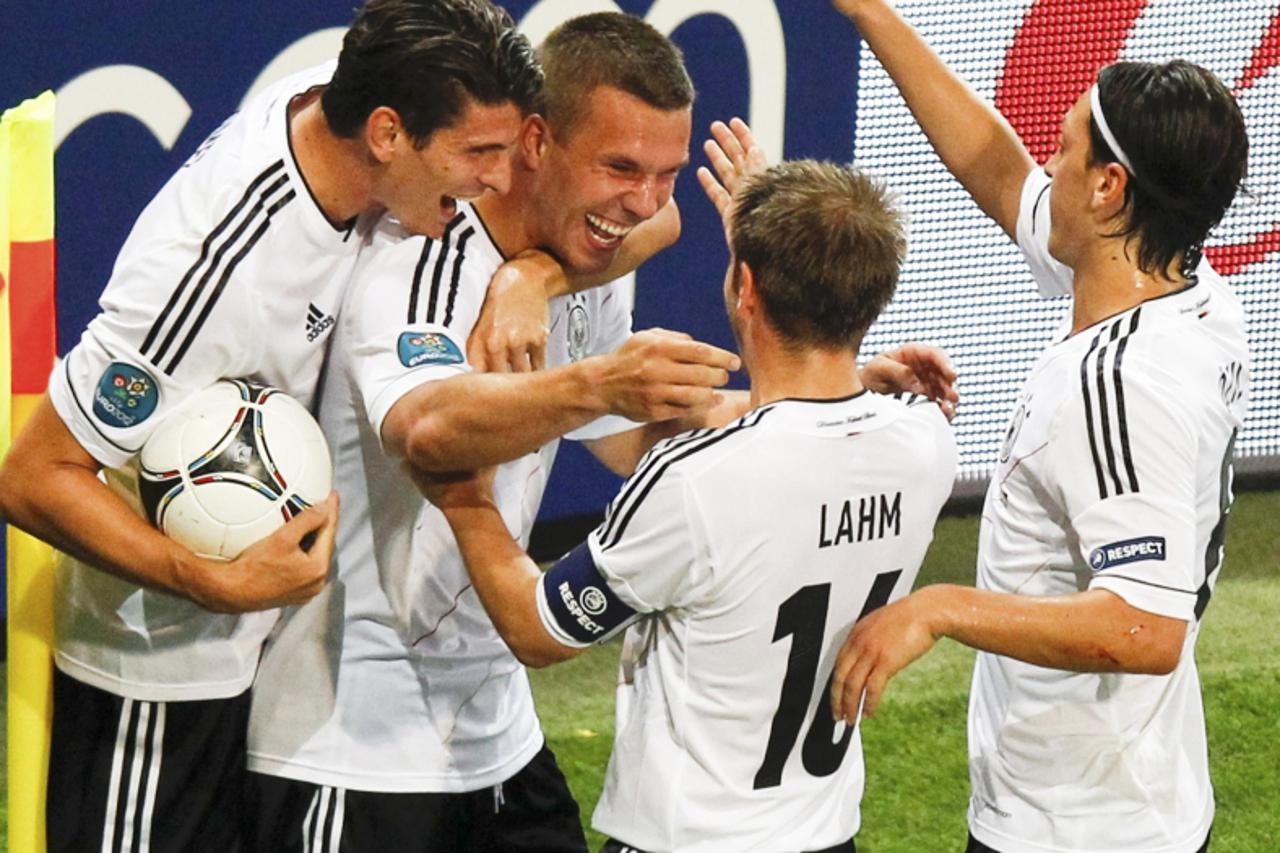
(29, 349)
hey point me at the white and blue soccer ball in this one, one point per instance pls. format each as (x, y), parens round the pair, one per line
(231, 465)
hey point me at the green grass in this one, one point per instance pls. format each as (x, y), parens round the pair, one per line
(917, 781)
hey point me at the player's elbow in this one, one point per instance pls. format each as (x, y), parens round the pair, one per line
(16, 477)
(539, 654)
(1151, 646)
(422, 441)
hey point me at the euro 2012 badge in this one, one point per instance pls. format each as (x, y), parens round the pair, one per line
(422, 348)
(126, 395)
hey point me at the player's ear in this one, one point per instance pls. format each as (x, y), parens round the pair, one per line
(748, 296)
(1108, 189)
(382, 132)
(535, 136)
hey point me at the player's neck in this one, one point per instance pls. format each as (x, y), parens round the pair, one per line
(508, 216)
(335, 170)
(779, 373)
(1108, 282)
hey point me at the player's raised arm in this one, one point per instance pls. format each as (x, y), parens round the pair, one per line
(49, 487)
(972, 138)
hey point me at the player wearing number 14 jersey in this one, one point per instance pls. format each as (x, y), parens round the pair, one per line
(740, 556)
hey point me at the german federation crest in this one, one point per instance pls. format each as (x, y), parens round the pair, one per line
(126, 395)
(579, 332)
(417, 349)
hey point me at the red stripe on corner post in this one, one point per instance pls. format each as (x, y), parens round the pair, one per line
(32, 315)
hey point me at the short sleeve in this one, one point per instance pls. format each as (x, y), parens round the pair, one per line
(1052, 277)
(647, 556)
(403, 332)
(112, 397)
(1125, 456)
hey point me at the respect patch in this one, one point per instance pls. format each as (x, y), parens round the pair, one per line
(422, 348)
(126, 395)
(1126, 551)
(579, 599)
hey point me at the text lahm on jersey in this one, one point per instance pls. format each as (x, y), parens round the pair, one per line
(877, 517)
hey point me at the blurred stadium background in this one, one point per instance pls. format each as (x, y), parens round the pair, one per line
(140, 85)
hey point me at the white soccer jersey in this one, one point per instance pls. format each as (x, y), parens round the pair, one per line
(394, 679)
(232, 270)
(747, 553)
(1115, 474)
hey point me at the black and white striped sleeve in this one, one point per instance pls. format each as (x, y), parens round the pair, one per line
(413, 303)
(650, 545)
(162, 332)
(1124, 458)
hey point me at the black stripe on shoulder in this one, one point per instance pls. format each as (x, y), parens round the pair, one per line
(457, 273)
(648, 462)
(417, 279)
(204, 252)
(1121, 414)
(218, 255)
(1088, 414)
(438, 274)
(669, 460)
(1104, 410)
(226, 276)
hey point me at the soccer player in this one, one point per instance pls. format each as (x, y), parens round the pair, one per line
(1102, 532)
(388, 714)
(740, 556)
(236, 268)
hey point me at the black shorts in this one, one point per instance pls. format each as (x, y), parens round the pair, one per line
(146, 777)
(532, 812)
(615, 846)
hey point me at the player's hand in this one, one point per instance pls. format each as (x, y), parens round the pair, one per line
(880, 645)
(288, 567)
(914, 369)
(734, 155)
(510, 336)
(658, 374)
(449, 490)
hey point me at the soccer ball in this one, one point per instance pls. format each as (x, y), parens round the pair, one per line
(232, 464)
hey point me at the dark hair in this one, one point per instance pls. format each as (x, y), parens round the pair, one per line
(426, 59)
(1184, 135)
(824, 243)
(609, 49)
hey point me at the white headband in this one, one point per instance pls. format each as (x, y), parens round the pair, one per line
(1096, 103)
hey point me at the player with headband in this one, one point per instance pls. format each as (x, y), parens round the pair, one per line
(1102, 531)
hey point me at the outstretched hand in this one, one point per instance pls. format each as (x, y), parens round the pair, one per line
(914, 369)
(659, 374)
(734, 154)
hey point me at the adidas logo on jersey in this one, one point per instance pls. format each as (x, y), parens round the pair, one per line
(317, 322)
